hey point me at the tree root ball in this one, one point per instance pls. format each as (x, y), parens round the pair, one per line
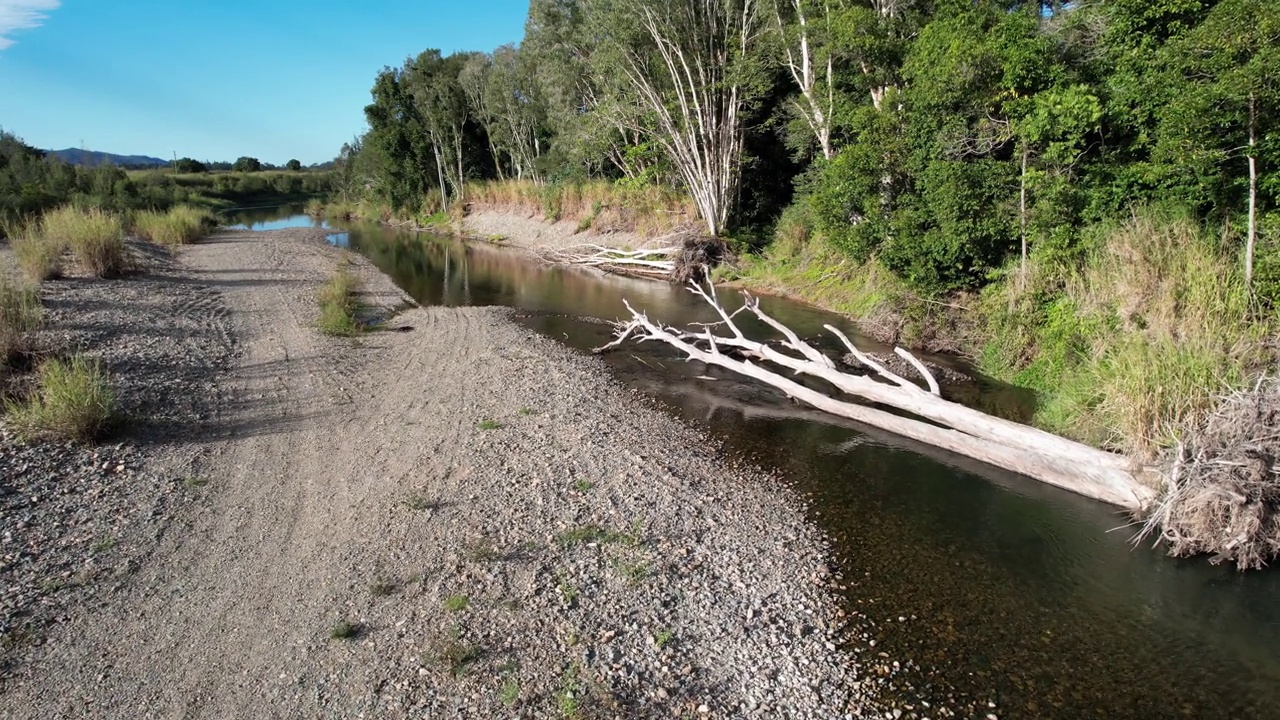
(697, 256)
(1222, 492)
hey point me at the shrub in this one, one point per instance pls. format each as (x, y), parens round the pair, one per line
(20, 313)
(96, 237)
(338, 306)
(73, 402)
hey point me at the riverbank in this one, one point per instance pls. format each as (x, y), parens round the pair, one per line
(1133, 353)
(488, 522)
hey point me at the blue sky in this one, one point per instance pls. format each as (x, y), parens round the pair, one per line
(273, 79)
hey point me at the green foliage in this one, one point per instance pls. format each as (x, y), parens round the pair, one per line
(247, 164)
(73, 402)
(293, 166)
(346, 630)
(188, 166)
(1155, 324)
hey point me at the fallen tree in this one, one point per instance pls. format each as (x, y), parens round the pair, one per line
(650, 262)
(897, 404)
(686, 261)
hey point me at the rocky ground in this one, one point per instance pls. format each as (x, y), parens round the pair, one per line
(461, 520)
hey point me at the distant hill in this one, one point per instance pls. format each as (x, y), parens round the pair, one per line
(93, 158)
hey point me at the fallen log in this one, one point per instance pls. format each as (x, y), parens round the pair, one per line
(922, 414)
(654, 262)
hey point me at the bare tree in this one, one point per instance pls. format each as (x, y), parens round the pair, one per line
(690, 69)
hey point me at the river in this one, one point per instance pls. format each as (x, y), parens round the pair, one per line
(994, 593)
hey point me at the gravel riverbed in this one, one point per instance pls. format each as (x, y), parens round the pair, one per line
(462, 519)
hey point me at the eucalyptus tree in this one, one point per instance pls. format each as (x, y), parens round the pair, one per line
(474, 78)
(397, 142)
(433, 82)
(588, 116)
(693, 67)
(505, 98)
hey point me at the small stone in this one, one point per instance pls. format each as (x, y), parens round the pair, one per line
(704, 709)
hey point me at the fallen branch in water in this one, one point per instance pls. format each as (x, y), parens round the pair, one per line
(925, 416)
(656, 262)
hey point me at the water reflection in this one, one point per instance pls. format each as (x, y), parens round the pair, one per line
(273, 217)
(1021, 593)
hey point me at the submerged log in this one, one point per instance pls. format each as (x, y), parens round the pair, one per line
(922, 414)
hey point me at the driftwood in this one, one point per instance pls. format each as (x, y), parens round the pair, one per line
(651, 262)
(921, 412)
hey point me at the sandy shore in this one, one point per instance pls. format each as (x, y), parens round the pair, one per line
(531, 232)
(506, 531)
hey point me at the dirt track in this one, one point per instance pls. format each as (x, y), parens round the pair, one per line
(513, 534)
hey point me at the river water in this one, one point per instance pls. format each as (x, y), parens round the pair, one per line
(995, 593)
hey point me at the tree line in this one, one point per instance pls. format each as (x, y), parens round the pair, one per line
(945, 138)
(32, 182)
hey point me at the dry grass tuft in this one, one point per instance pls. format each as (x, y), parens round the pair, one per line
(74, 402)
(339, 310)
(649, 211)
(179, 226)
(1222, 493)
(38, 255)
(96, 237)
(20, 313)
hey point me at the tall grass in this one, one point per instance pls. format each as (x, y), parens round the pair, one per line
(20, 314)
(339, 310)
(180, 225)
(647, 210)
(38, 255)
(73, 402)
(801, 265)
(96, 237)
(1127, 349)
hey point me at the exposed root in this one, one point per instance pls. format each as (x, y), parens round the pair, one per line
(1223, 483)
(697, 255)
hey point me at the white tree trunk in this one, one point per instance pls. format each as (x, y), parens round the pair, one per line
(799, 60)
(695, 98)
(444, 193)
(1252, 234)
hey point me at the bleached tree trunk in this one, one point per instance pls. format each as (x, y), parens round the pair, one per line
(926, 417)
(1252, 234)
(694, 94)
(459, 187)
(444, 191)
(800, 63)
(1022, 208)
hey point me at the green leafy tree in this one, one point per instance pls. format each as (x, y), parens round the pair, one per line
(187, 165)
(293, 166)
(1227, 74)
(247, 164)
